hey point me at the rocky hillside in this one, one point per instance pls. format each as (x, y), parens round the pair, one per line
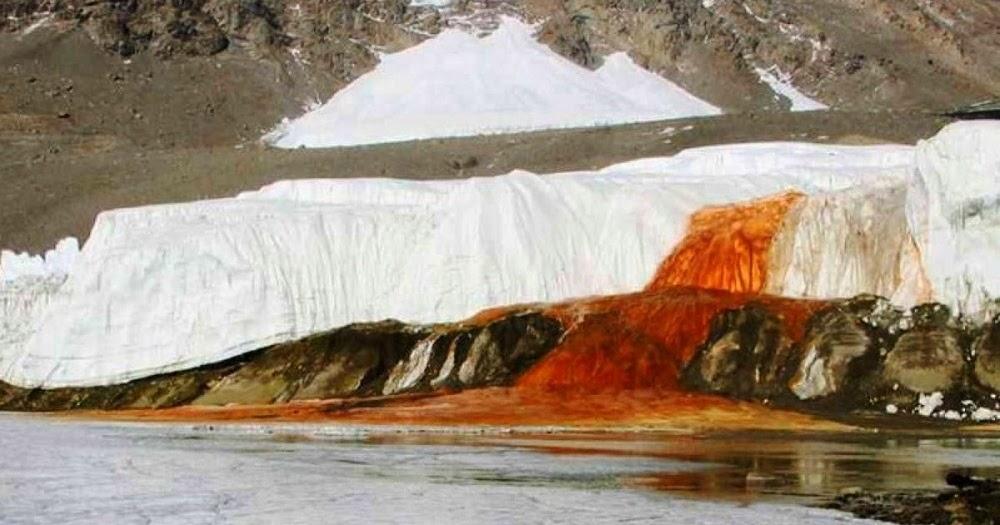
(183, 73)
(190, 73)
(860, 54)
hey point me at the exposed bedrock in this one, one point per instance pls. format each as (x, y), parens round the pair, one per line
(744, 356)
(856, 355)
(360, 360)
(833, 345)
(986, 357)
(748, 355)
(929, 357)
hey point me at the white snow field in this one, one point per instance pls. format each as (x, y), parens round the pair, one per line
(164, 288)
(456, 84)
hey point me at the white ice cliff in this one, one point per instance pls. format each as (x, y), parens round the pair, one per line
(56, 262)
(456, 84)
(954, 211)
(164, 288)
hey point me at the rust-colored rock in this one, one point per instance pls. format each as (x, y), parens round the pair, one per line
(643, 340)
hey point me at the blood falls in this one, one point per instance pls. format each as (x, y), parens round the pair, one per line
(165, 288)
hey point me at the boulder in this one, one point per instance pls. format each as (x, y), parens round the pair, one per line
(925, 360)
(505, 349)
(928, 357)
(408, 373)
(834, 340)
(745, 355)
(986, 352)
(354, 360)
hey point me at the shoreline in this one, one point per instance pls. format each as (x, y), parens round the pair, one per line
(507, 411)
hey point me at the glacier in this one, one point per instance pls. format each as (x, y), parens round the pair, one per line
(55, 262)
(169, 287)
(954, 212)
(455, 85)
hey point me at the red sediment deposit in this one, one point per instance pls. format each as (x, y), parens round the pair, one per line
(643, 340)
(726, 247)
(507, 407)
(620, 359)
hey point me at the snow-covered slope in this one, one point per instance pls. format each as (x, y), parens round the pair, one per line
(458, 85)
(164, 288)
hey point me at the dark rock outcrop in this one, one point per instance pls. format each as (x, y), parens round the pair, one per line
(970, 501)
(834, 54)
(986, 357)
(929, 357)
(744, 357)
(833, 344)
(360, 360)
(925, 361)
(167, 28)
(858, 355)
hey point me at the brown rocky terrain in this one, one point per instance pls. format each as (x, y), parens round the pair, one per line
(969, 501)
(849, 54)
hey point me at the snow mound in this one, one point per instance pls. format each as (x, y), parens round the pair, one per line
(456, 85)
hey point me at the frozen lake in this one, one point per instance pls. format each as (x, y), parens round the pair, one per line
(58, 471)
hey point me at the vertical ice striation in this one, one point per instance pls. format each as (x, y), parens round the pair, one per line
(954, 212)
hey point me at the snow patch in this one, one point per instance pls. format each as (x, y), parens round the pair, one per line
(781, 84)
(928, 403)
(431, 3)
(457, 85)
(38, 24)
(983, 414)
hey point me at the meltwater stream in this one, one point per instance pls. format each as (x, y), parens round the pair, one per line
(62, 471)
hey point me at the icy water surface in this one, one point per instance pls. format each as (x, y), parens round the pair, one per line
(57, 471)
